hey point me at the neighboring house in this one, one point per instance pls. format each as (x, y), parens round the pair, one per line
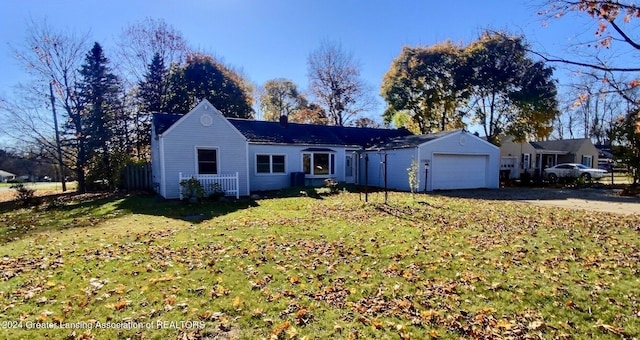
(6, 176)
(245, 156)
(534, 157)
(446, 160)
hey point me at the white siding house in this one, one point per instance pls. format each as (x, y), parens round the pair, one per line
(202, 142)
(206, 145)
(244, 155)
(446, 160)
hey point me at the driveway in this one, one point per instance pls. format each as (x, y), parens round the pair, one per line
(605, 200)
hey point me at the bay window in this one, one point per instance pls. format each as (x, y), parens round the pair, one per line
(320, 164)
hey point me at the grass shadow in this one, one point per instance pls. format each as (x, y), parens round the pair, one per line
(59, 212)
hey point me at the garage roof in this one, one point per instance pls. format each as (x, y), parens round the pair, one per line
(411, 141)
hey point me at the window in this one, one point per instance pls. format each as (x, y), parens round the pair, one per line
(319, 164)
(587, 160)
(526, 161)
(207, 161)
(270, 164)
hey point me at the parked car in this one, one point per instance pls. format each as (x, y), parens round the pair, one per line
(573, 170)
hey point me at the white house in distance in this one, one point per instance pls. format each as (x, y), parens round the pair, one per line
(6, 176)
(244, 156)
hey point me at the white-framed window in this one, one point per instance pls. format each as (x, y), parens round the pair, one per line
(587, 160)
(207, 160)
(270, 164)
(526, 161)
(321, 164)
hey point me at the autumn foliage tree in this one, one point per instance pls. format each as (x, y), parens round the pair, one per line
(203, 77)
(492, 81)
(510, 92)
(280, 98)
(427, 85)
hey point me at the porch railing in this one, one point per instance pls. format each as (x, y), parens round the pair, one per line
(229, 183)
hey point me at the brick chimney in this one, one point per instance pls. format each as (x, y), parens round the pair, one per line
(284, 121)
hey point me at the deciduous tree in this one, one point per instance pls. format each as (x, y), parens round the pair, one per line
(428, 85)
(203, 77)
(139, 43)
(51, 58)
(280, 98)
(510, 92)
(336, 85)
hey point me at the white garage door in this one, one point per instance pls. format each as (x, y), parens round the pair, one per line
(459, 171)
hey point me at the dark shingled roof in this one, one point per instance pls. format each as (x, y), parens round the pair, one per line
(163, 121)
(257, 131)
(410, 141)
(567, 145)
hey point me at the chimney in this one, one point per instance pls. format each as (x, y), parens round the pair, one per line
(284, 121)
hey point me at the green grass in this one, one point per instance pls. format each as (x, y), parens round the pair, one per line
(317, 267)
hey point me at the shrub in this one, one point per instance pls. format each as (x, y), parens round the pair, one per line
(331, 184)
(23, 193)
(216, 192)
(192, 189)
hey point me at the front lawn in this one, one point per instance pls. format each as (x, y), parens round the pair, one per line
(316, 267)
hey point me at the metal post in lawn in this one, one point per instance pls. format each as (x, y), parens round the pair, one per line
(385, 178)
(366, 177)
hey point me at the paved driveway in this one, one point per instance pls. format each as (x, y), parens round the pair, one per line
(607, 200)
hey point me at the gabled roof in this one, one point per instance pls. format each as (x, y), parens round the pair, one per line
(410, 141)
(264, 132)
(563, 145)
(162, 121)
(275, 133)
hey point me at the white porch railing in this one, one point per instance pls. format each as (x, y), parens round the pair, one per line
(229, 183)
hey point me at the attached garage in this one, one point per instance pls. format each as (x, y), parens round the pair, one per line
(446, 161)
(459, 171)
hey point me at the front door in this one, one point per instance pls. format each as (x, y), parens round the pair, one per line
(349, 169)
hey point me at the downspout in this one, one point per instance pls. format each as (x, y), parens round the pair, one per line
(163, 175)
(246, 148)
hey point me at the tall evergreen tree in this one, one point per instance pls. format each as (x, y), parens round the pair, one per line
(153, 88)
(152, 97)
(99, 91)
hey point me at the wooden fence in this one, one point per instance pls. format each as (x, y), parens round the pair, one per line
(137, 177)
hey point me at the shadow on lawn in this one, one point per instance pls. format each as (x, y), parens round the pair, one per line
(83, 210)
(179, 210)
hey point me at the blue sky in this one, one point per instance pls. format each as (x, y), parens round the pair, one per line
(272, 39)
